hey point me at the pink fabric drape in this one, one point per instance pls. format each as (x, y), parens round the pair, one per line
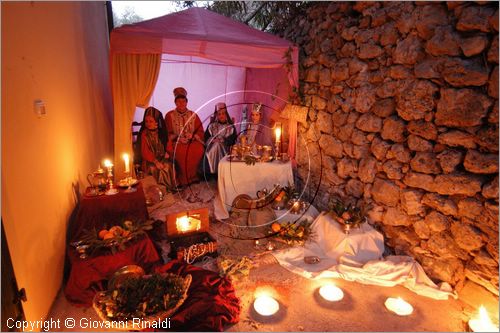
(133, 78)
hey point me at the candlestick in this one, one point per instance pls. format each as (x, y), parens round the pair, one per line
(111, 190)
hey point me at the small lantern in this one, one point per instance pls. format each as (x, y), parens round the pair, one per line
(187, 223)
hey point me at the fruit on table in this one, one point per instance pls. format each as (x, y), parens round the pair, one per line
(102, 233)
(275, 227)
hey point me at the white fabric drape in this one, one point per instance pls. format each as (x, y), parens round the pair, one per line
(358, 257)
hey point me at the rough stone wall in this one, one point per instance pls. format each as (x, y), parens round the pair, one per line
(403, 105)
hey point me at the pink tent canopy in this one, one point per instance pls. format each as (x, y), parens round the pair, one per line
(271, 63)
(202, 33)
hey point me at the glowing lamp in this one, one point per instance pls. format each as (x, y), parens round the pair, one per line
(266, 305)
(187, 223)
(482, 322)
(399, 306)
(331, 293)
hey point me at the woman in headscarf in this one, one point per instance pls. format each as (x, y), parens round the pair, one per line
(155, 158)
(219, 137)
(186, 138)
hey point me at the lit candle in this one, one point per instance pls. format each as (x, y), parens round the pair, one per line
(108, 164)
(127, 162)
(277, 131)
(270, 246)
(399, 306)
(266, 305)
(331, 293)
(482, 323)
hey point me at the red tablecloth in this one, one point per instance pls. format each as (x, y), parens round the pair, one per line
(211, 303)
(108, 210)
(86, 273)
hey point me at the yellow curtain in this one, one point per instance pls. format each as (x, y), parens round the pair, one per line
(133, 79)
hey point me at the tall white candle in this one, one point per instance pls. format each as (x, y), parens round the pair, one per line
(277, 131)
(127, 162)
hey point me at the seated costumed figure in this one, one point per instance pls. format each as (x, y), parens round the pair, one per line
(219, 137)
(155, 158)
(257, 133)
(185, 138)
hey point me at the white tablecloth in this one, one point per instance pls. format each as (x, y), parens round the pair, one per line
(235, 178)
(358, 257)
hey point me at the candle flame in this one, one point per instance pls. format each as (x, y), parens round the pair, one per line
(277, 131)
(108, 164)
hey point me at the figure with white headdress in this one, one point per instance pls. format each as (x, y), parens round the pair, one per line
(257, 133)
(219, 137)
(186, 138)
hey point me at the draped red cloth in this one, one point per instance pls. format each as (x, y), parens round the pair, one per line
(88, 274)
(211, 303)
(108, 210)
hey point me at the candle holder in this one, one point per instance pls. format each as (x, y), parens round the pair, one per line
(277, 153)
(111, 187)
(129, 181)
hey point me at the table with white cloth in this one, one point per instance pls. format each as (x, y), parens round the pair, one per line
(235, 178)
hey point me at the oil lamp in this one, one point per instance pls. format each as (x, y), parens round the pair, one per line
(331, 292)
(265, 305)
(482, 322)
(399, 306)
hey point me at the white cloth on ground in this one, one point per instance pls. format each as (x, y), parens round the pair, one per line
(358, 257)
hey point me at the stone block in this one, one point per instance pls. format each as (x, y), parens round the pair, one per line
(385, 192)
(461, 108)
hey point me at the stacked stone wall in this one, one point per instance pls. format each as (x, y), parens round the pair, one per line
(403, 113)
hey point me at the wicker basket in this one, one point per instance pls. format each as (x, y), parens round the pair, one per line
(98, 299)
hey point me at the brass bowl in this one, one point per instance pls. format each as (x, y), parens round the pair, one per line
(124, 273)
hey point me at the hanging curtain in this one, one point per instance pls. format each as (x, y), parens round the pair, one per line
(133, 79)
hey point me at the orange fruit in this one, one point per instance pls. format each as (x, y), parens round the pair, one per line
(116, 230)
(102, 233)
(108, 235)
(275, 227)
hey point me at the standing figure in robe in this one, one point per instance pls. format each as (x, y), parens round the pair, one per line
(219, 137)
(153, 140)
(185, 138)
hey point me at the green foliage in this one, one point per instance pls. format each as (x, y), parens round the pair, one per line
(138, 297)
(118, 242)
(348, 214)
(250, 160)
(295, 233)
(270, 16)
